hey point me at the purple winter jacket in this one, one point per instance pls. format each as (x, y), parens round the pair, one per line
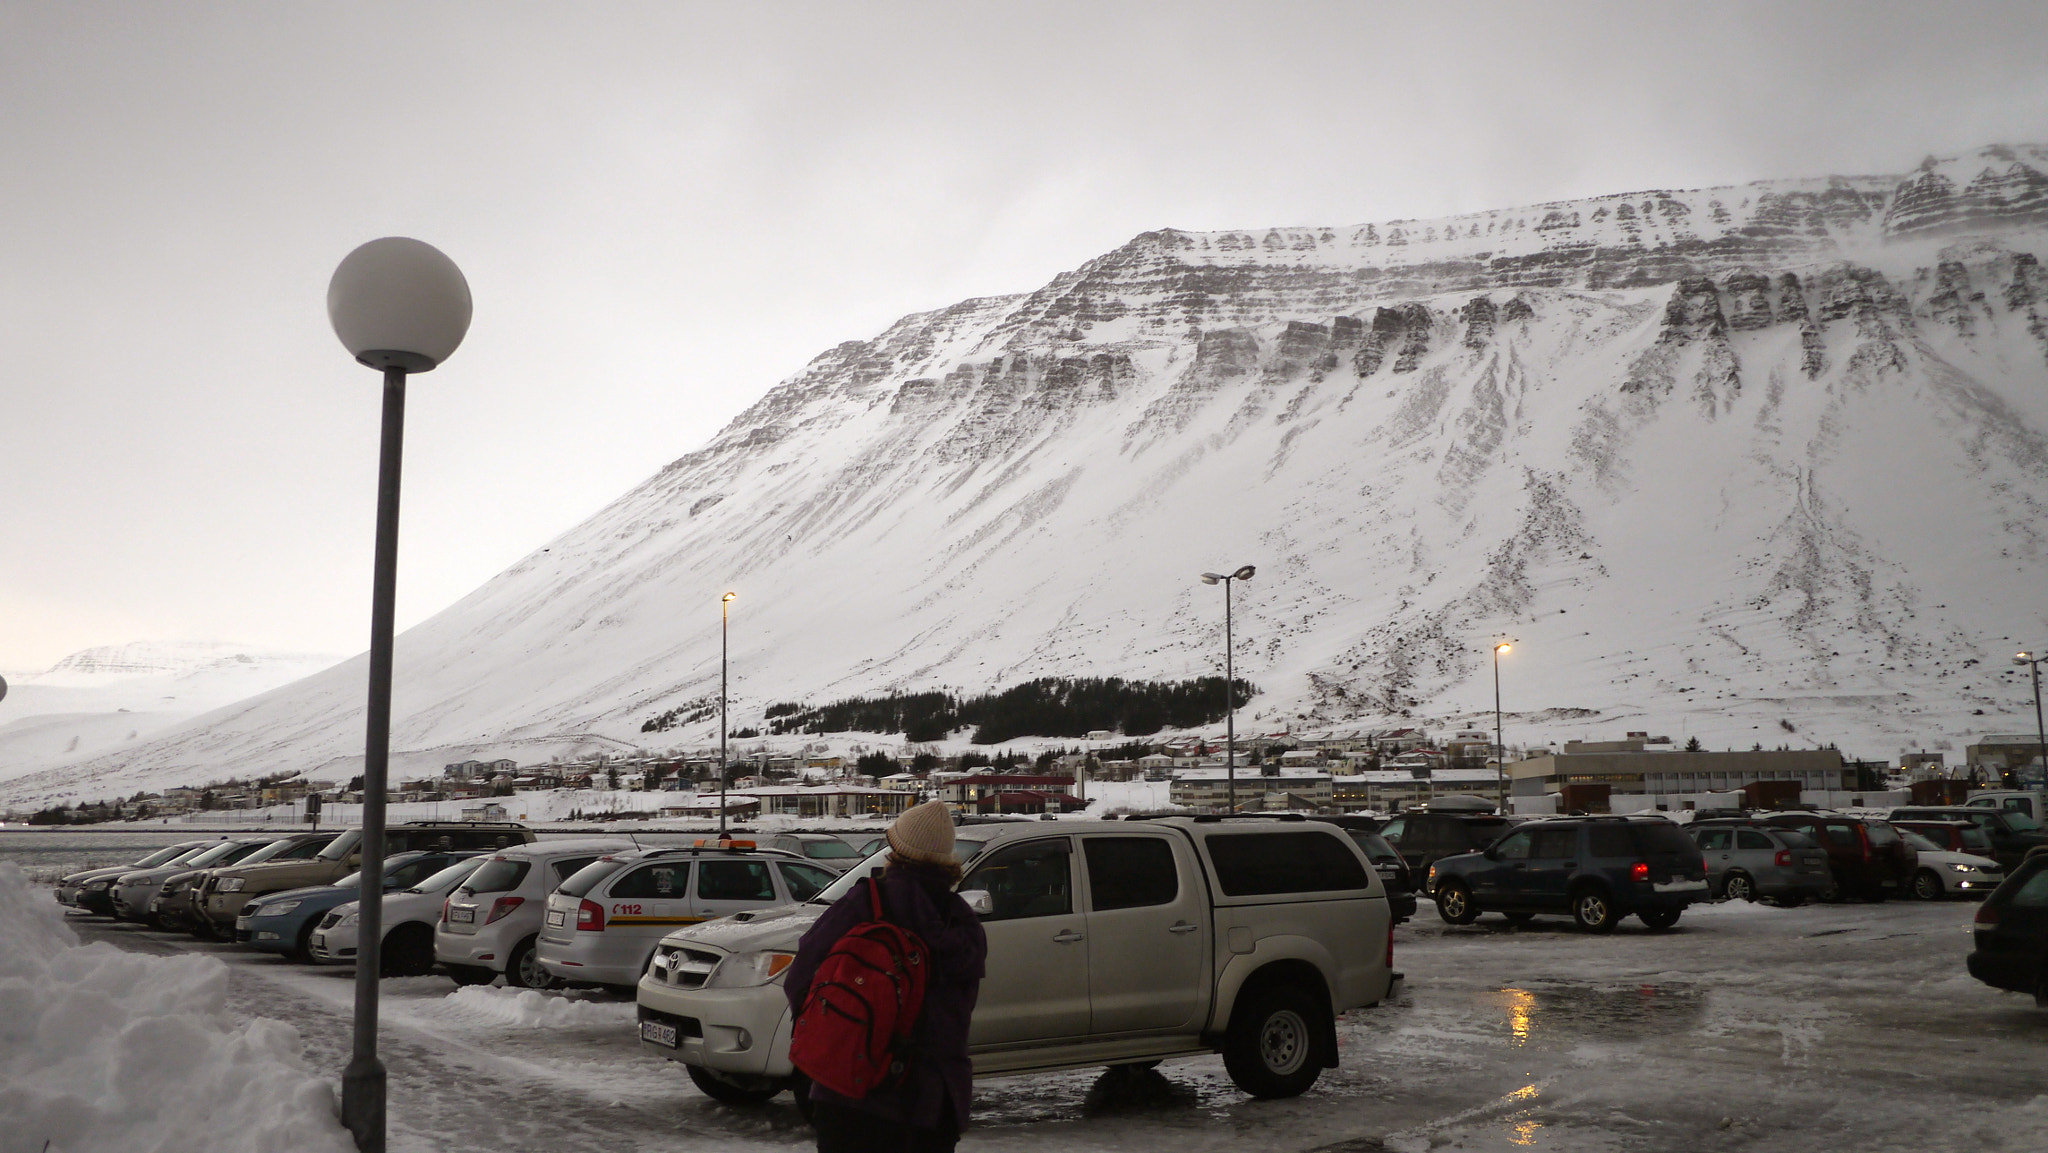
(918, 898)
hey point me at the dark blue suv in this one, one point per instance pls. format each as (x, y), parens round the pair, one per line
(1597, 869)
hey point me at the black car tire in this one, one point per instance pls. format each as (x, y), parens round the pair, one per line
(1594, 910)
(302, 949)
(408, 951)
(203, 929)
(523, 970)
(1454, 904)
(470, 974)
(734, 1088)
(1270, 1049)
(1738, 887)
(1927, 886)
(1659, 919)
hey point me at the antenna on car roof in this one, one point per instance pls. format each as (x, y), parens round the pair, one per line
(631, 837)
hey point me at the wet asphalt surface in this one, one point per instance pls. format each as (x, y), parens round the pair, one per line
(1747, 1028)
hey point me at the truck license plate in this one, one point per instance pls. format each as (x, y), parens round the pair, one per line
(658, 1033)
(465, 916)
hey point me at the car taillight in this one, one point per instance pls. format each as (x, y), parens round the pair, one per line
(1987, 914)
(1784, 858)
(1640, 871)
(444, 910)
(590, 916)
(1863, 836)
(502, 906)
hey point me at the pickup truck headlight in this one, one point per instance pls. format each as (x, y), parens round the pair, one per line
(277, 910)
(230, 885)
(746, 970)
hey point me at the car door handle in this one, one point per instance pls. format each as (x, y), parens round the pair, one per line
(1181, 927)
(1066, 936)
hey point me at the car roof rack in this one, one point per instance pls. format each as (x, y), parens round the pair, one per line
(1212, 818)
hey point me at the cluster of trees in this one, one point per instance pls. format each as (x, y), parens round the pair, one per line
(1047, 707)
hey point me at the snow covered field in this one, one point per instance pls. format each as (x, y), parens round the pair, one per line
(1752, 1028)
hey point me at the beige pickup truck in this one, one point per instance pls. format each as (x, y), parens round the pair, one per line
(1109, 943)
(223, 893)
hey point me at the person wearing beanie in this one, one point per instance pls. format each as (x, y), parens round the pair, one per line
(926, 1109)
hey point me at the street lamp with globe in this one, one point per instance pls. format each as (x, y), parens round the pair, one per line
(400, 306)
(1229, 681)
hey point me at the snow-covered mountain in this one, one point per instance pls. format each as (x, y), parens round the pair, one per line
(1755, 463)
(103, 699)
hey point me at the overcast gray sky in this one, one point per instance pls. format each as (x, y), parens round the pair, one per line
(663, 209)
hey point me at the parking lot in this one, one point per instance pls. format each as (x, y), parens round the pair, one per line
(1748, 1027)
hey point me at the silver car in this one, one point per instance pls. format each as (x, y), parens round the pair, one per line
(133, 892)
(1746, 862)
(492, 920)
(828, 850)
(71, 889)
(604, 922)
(409, 918)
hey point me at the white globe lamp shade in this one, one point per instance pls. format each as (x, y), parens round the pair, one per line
(399, 303)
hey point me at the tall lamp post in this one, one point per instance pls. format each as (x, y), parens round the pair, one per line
(401, 306)
(1229, 681)
(724, 618)
(2033, 664)
(1500, 749)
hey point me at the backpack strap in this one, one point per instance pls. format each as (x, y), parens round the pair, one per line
(875, 898)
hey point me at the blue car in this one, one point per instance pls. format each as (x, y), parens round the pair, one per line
(283, 922)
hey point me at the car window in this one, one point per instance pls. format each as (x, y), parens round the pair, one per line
(447, 878)
(1750, 839)
(342, 845)
(1130, 872)
(1473, 834)
(411, 873)
(832, 850)
(586, 878)
(1392, 830)
(1794, 839)
(568, 867)
(1880, 833)
(1841, 834)
(1033, 879)
(1661, 837)
(661, 881)
(1918, 843)
(1712, 839)
(1610, 841)
(2021, 822)
(1974, 840)
(1556, 844)
(1377, 850)
(264, 853)
(1515, 846)
(805, 881)
(1265, 864)
(498, 875)
(303, 851)
(734, 881)
(2033, 892)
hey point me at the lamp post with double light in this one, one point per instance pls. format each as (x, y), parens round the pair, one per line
(1229, 681)
(399, 305)
(2033, 664)
(1500, 749)
(724, 619)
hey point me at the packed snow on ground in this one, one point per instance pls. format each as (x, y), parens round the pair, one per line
(102, 1049)
(527, 1008)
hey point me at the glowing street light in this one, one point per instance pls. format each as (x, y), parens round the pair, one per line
(1500, 749)
(724, 616)
(1229, 681)
(401, 306)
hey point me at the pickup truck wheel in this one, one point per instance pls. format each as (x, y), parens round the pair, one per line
(734, 1088)
(1454, 904)
(1594, 911)
(1270, 1049)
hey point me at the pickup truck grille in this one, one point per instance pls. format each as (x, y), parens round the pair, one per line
(684, 967)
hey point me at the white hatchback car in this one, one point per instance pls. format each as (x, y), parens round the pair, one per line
(604, 922)
(491, 922)
(409, 919)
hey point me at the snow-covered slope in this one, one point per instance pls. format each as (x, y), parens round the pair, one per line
(103, 699)
(1753, 463)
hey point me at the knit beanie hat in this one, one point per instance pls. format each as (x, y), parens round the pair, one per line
(924, 833)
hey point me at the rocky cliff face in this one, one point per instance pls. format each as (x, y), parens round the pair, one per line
(1742, 462)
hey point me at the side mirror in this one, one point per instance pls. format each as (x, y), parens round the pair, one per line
(1491, 853)
(979, 902)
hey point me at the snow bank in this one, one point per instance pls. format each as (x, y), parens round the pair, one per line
(102, 1049)
(531, 1008)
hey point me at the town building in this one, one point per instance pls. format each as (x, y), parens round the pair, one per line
(1587, 775)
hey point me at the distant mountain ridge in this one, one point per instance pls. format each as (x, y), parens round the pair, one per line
(1763, 463)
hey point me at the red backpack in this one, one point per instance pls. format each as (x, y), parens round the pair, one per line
(853, 1031)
